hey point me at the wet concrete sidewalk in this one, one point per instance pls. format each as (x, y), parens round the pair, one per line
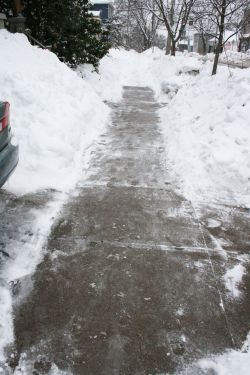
(132, 279)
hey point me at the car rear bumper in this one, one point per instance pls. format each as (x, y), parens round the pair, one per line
(9, 157)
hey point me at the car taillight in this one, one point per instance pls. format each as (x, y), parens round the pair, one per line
(5, 119)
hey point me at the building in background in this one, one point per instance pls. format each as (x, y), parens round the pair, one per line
(3, 19)
(105, 9)
(186, 43)
(232, 42)
(194, 41)
(245, 34)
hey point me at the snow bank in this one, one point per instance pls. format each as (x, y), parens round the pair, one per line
(124, 68)
(55, 115)
(207, 131)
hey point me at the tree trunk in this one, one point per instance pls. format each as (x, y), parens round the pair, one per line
(240, 46)
(218, 51)
(219, 46)
(170, 42)
(173, 48)
(204, 45)
(168, 45)
(216, 61)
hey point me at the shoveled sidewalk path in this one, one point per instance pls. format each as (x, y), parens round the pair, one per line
(132, 281)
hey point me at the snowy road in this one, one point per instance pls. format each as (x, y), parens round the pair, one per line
(133, 280)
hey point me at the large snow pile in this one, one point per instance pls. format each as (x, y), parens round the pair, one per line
(207, 131)
(123, 68)
(55, 115)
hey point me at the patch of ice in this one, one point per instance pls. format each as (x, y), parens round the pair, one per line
(6, 321)
(230, 363)
(212, 223)
(25, 368)
(180, 311)
(233, 279)
(183, 338)
(219, 243)
(23, 261)
(199, 264)
(55, 371)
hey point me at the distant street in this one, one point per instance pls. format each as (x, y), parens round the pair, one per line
(132, 278)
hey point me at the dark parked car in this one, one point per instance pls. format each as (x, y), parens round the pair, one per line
(8, 152)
